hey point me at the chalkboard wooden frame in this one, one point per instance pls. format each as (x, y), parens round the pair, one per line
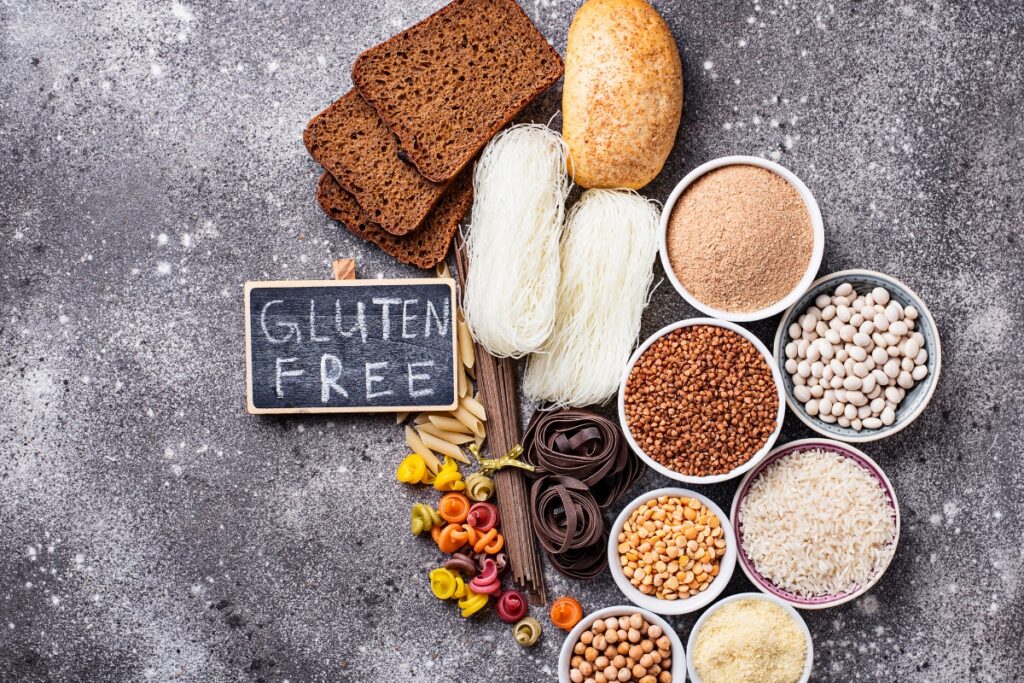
(266, 284)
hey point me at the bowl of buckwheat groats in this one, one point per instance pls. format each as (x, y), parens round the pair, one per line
(860, 356)
(624, 644)
(701, 401)
(672, 551)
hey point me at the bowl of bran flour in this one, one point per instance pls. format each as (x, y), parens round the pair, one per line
(741, 238)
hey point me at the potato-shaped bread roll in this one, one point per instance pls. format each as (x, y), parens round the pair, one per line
(623, 94)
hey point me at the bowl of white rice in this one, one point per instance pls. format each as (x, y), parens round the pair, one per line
(817, 523)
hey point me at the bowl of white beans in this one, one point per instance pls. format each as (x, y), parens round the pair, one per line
(859, 354)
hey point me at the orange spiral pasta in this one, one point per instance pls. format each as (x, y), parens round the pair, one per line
(454, 507)
(566, 612)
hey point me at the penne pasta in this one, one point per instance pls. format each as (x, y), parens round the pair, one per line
(476, 426)
(465, 340)
(413, 440)
(449, 424)
(401, 417)
(474, 406)
(456, 438)
(441, 269)
(462, 381)
(443, 447)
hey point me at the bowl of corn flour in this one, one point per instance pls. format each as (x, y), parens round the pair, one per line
(817, 523)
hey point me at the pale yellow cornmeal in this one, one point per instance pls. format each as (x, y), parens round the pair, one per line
(750, 640)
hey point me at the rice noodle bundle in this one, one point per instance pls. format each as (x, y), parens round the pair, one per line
(520, 186)
(607, 255)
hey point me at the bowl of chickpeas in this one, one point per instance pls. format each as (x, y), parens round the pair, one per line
(623, 644)
(672, 551)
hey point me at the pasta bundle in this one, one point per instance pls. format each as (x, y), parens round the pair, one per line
(520, 187)
(607, 261)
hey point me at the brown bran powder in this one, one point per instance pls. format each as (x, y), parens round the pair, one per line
(740, 238)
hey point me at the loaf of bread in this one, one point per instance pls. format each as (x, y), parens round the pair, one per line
(623, 94)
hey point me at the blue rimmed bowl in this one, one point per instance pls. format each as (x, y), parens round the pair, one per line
(917, 397)
(764, 584)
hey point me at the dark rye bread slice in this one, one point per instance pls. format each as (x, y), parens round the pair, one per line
(349, 139)
(448, 84)
(425, 247)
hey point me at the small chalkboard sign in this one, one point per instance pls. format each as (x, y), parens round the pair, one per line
(350, 346)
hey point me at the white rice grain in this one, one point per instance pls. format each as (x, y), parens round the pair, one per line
(816, 523)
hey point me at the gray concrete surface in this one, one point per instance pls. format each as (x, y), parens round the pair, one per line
(151, 530)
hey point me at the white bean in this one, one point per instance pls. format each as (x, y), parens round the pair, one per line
(869, 300)
(822, 300)
(891, 368)
(867, 327)
(857, 320)
(893, 351)
(899, 328)
(919, 372)
(852, 382)
(881, 322)
(809, 321)
(837, 368)
(856, 424)
(892, 394)
(863, 411)
(801, 348)
(872, 423)
(826, 350)
(905, 380)
(835, 382)
(832, 336)
(910, 312)
(856, 398)
(791, 350)
(919, 337)
(827, 418)
(844, 313)
(888, 416)
(868, 384)
(813, 352)
(791, 366)
(827, 372)
(839, 395)
(811, 407)
(878, 339)
(799, 381)
(795, 331)
(817, 391)
(880, 295)
(875, 393)
(825, 405)
(879, 375)
(861, 370)
(850, 411)
(803, 394)
(877, 405)
(893, 312)
(838, 408)
(907, 364)
(821, 328)
(879, 354)
(842, 355)
(857, 353)
(910, 323)
(828, 312)
(845, 289)
(843, 421)
(912, 348)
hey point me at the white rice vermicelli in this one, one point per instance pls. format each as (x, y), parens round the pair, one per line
(816, 523)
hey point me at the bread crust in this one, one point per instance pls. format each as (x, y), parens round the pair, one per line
(623, 94)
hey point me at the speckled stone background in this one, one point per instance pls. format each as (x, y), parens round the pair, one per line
(152, 162)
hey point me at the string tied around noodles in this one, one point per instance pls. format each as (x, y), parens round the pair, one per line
(491, 465)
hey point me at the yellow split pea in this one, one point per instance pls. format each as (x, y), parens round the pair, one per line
(670, 547)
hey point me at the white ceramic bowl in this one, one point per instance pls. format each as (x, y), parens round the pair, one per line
(817, 227)
(692, 642)
(714, 478)
(746, 564)
(918, 396)
(726, 565)
(678, 655)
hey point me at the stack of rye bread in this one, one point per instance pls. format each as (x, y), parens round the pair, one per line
(397, 149)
